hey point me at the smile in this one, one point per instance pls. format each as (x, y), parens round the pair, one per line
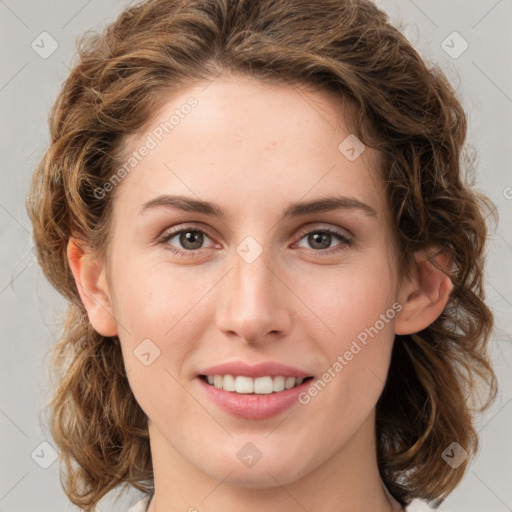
(264, 385)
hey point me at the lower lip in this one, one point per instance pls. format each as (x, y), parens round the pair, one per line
(252, 406)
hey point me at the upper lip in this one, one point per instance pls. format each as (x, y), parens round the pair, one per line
(270, 368)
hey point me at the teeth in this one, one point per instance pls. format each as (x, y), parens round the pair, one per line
(242, 384)
(278, 384)
(259, 386)
(263, 385)
(228, 384)
(289, 383)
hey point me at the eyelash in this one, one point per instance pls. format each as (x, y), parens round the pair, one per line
(347, 241)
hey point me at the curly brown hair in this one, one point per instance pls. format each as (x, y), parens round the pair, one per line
(407, 110)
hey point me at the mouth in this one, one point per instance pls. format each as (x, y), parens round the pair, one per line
(244, 385)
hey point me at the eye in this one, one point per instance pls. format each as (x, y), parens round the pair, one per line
(188, 239)
(321, 240)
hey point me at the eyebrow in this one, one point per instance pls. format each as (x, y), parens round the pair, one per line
(295, 209)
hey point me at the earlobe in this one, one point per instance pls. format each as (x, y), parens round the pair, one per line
(89, 274)
(425, 296)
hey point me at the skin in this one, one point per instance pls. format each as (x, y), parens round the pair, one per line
(254, 148)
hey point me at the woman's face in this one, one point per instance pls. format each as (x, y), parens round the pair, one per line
(253, 277)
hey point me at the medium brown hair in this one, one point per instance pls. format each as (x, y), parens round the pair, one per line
(406, 109)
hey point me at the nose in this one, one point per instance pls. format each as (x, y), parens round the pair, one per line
(254, 302)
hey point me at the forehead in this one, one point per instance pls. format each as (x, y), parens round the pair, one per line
(239, 140)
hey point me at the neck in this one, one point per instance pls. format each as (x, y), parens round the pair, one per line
(347, 481)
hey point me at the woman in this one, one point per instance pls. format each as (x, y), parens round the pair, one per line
(273, 265)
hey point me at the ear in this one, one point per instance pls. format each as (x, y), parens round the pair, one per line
(425, 296)
(90, 279)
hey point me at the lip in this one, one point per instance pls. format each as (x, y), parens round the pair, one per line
(270, 368)
(253, 406)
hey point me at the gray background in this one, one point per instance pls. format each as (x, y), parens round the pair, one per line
(31, 311)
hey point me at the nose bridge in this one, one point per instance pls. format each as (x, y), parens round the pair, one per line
(251, 304)
(252, 277)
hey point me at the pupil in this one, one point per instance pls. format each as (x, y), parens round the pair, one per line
(318, 238)
(195, 238)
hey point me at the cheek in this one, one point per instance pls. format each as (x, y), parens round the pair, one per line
(346, 300)
(155, 299)
(162, 318)
(354, 326)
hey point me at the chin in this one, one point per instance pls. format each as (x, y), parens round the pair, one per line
(267, 472)
(263, 478)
